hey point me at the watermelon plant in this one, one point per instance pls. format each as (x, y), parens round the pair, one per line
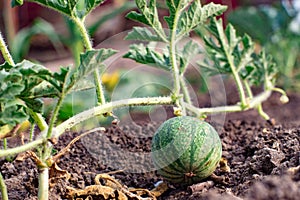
(25, 85)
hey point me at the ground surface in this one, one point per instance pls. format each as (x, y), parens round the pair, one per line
(262, 159)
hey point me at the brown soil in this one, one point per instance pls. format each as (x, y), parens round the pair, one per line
(263, 159)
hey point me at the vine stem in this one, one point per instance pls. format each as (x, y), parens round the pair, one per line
(3, 188)
(172, 49)
(88, 45)
(96, 111)
(84, 34)
(236, 77)
(107, 108)
(256, 101)
(39, 120)
(54, 116)
(43, 183)
(185, 91)
(248, 89)
(4, 50)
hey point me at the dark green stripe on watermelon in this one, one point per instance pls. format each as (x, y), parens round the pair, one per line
(186, 150)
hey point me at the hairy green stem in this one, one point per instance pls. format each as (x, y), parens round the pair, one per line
(84, 34)
(256, 101)
(88, 45)
(99, 88)
(46, 153)
(43, 184)
(4, 143)
(22, 148)
(238, 82)
(234, 71)
(279, 90)
(31, 132)
(8, 158)
(248, 89)
(108, 107)
(262, 112)
(88, 114)
(186, 94)
(172, 50)
(3, 188)
(39, 120)
(54, 115)
(4, 50)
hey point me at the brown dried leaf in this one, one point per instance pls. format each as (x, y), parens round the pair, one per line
(109, 181)
(110, 190)
(56, 173)
(22, 156)
(95, 190)
(159, 189)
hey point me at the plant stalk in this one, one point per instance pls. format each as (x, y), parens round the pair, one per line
(31, 132)
(54, 116)
(107, 108)
(3, 188)
(234, 71)
(248, 89)
(256, 101)
(186, 94)
(88, 45)
(99, 110)
(4, 50)
(39, 120)
(172, 49)
(84, 34)
(43, 184)
(22, 148)
(99, 88)
(262, 112)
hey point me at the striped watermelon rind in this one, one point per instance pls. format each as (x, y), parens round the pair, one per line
(186, 150)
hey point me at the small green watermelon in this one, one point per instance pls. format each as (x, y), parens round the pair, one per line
(186, 150)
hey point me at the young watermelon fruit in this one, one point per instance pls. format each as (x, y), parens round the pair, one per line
(186, 150)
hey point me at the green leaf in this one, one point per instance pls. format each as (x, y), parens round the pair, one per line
(174, 7)
(89, 62)
(226, 51)
(16, 3)
(90, 5)
(71, 8)
(12, 115)
(266, 69)
(148, 16)
(196, 15)
(18, 88)
(146, 55)
(142, 34)
(10, 85)
(66, 7)
(34, 104)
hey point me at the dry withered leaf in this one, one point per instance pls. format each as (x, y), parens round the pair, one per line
(95, 190)
(56, 173)
(160, 189)
(113, 189)
(22, 156)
